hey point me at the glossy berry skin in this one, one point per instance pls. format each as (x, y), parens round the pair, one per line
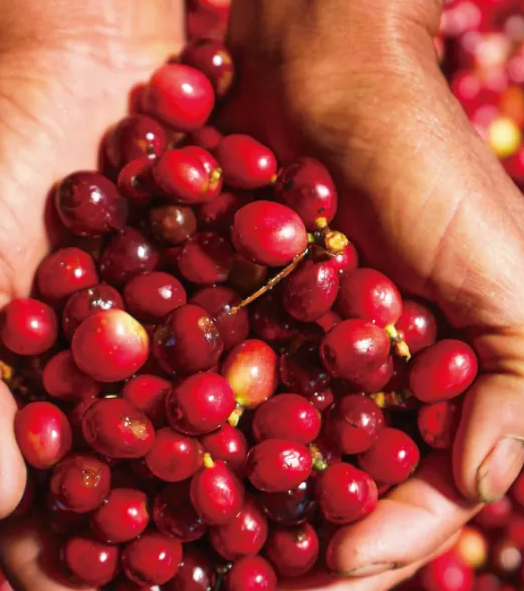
(172, 223)
(89, 204)
(438, 423)
(218, 301)
(174, 457)
(446, 573)
(206, 258)
(63, 272)
(180, 96)
(344, 262)
(116, 429)
(88, 302)
(302, 371)
(276, 465)
(353, 423)
(214, 60)
(200, 404)
(306, 186)
(63, 380)
(417, 326)
(344, 493)
(28, 327)
(188, 341)
(135, 137)
(110, 346)
(43, 434)
(150, 297)
(197, 573)
(216, 493)
(251, 573)
(217, 215)
(148, 392)
(287, 416)
(293, 550)
(207, 137)
(369, 295)
(353, 349)
(245, 162)
(135, 181)
(268, 233)
(229, 445)
(443, 371)
(90, 562)
(310, 291)
(290, 507)
(251, 370)
(174, 515)
(243, 536)
(393, 457)
(122, 517)
(80, 483)
(214, 186)
(152, 559)
(126, 255)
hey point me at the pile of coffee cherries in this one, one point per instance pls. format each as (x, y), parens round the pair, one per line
(209, 383)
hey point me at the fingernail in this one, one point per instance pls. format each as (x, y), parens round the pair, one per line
(369, 570)
(499, 469)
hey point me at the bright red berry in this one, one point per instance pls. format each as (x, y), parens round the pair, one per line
(446, 573)
(148, 392)
(292, 551)
(229, 445)
(251, 573)
(63, 380)
(90, 562)
(438, 423)
(197, 573)
(417, 326)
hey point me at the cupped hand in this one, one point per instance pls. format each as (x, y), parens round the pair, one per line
(357, 84)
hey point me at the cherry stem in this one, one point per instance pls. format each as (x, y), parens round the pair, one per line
(319, 463)
(215, 175)
(6, 372)
(271, 283)
(394, 399)
(236, 415)
(401, 347)
(208, 460)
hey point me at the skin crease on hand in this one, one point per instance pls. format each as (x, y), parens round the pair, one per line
(357, 85)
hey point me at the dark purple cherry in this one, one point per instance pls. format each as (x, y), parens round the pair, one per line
(301, 369)
(172, 223)
(290, 507)
(206, 258)
(197, 572)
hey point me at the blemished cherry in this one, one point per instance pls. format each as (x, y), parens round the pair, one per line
(152, 559)
(354, 348)
(344, 493)
(148, 392)
(302, 371)
(88, 302)
(63, 380)
(200, 404)
(392, 458)
(246, 276)
(214, 60)
(28, 327)
(446, 573)
(173, 456)
(135, 137)
(417, 325)
(89, 561)
(80, 483)
(188, 341)
(268, 233)
(229, 445)
(292, 551)
(219, 300)
(251, 573)
(172, 223)
(89, 204)
(287, 416)
(150, 297)
(43, 434)
(110, 346)
(438, 423)
(353, 423)
(126, 255)
(207, 137)
(206, 258)
(290, 507)
(135, 181)
(217, 215)
(216, 493)
(310, 291)
(174, 515)
(115, 428)
(276, 465)
(122, 517)
(197, 572)
(63, 272)
(369, 295)
(306, 186)
(251, 370)
(245, 535)
(180, 96)
(442, 371)
(210, 164)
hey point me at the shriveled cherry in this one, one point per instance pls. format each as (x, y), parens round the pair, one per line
(417, 325)
(251, 573)
(214, 60)
(197, 573)
(438, 423)
(63, 380)
(172, 223)
(206, 258)
(173, 456)
(115, 428)
(148, 392)
(90, 562)
(229, 445)
(292, 550)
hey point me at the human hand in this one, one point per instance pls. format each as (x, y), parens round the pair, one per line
(65, 74)
(358, 86)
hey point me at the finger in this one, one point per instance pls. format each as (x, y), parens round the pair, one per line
(12, 467)
(410, 524)
(29, 558)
